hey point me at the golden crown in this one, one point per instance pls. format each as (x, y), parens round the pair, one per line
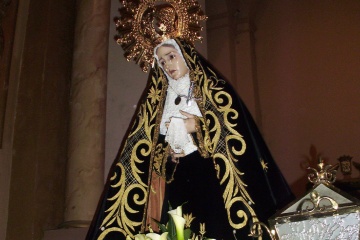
(143, 24)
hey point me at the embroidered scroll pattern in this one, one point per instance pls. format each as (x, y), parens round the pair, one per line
(130, 182)
(223, 141)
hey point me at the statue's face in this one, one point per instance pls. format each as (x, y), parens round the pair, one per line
(171, 61)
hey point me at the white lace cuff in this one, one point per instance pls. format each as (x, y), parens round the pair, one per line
(189, 147)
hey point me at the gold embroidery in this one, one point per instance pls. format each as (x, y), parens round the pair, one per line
(220, 138)
(199, 125)
(154, 95)
(158, 158)
(202, 229)
(131, 185)
(264, 165)
(160, 82)
(188, 219)
(221, 141)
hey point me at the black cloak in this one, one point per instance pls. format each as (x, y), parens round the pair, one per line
(252, 186)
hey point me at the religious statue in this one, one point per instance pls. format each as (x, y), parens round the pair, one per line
(192, 141)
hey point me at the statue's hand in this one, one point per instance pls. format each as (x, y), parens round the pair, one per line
(175, 156)
(190, 122)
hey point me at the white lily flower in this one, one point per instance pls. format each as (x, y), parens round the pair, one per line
(155, 236)
(141, 237)
(179, 221)
(177, 211)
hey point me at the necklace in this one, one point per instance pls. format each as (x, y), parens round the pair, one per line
(179, 96)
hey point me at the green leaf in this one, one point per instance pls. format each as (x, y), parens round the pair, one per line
(160, 225)
(171, 229)
(187, 233)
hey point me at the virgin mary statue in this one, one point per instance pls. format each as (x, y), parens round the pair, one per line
(192, 142)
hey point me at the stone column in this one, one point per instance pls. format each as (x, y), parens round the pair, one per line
(85, 168)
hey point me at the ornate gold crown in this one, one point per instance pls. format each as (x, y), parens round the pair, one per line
(143, 24)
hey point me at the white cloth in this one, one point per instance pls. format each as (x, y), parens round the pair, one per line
(172, 111)
(181, 86)
(178, 138)
(171, 42)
